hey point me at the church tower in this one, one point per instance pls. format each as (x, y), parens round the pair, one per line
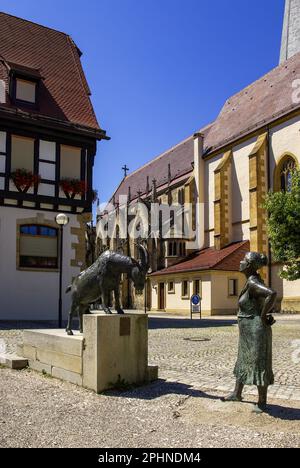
(290, 43)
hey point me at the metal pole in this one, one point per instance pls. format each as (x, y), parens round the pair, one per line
(145, 298)
(60, 279)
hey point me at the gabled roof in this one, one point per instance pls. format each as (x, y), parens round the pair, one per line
(227, 259)
(53, 56)
(180, 157)
(260, 103)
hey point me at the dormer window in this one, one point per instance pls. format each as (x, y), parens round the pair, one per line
(25, 91)
(24, 85)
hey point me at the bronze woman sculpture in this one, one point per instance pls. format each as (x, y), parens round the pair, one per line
(254, 362)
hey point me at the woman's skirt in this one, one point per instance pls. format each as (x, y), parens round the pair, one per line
(254, 362)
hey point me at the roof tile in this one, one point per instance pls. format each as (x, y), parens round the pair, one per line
(64, 90)
(227, 259)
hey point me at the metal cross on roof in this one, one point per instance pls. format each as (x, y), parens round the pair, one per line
(125, 169)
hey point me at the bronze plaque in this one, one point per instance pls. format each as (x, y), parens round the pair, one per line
(125, 326)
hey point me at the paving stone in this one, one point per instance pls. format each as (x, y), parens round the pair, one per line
(13, 361)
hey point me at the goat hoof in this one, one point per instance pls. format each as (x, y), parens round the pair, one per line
(121, 312)
(69, 332)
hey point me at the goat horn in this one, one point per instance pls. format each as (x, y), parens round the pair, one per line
(144, 256)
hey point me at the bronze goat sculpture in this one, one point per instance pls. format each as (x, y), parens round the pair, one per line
(100, 279)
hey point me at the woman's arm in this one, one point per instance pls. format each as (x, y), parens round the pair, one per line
(260, 290)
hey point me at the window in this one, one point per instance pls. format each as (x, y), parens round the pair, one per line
(181, 197)
(197, 287)
(286, 174)
(22, 153)
(172, 250)
(70, 162)
(182, 249)
(2, 159)
(232, 287)
(171, 288)
(38, 247)
(185, 289)
(25, 91)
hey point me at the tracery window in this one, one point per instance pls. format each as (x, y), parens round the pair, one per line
(286, 173)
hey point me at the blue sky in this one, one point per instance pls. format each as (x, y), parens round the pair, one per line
(159, 70)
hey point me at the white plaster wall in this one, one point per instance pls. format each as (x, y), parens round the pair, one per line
(174, 300)
(284, 288)
(30, 295)
(284, 138)
(2, 142)
(240, 181)
(47, 150)
(2, 92)
(47, 171)
(240, 231)
(210, 167)
(220, 299)
(2, 163)
(47, 190)
(154, 296)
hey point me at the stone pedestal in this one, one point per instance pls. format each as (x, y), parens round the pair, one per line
(112, 352)
(116, 349)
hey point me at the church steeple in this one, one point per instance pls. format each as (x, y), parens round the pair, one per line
(290, 43)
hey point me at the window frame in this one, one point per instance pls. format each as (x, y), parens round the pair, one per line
(13, 90)
(41, 266)
(200, 286)
(187, 295)
(277, 174)
(235, 288)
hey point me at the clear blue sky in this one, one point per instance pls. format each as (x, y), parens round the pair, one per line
(160, 69)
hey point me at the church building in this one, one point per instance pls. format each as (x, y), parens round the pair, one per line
(224, 170)
(48, 135)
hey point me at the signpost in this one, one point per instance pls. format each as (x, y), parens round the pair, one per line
(196, 305)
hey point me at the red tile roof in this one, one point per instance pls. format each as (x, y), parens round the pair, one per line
(227, 259)
(180, 158)
(263, 101)
(64, 92)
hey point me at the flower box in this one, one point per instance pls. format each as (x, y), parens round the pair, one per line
(73, 187)
(24, 180)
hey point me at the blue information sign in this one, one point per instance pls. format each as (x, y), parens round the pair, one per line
(196, 305)
(196, 299)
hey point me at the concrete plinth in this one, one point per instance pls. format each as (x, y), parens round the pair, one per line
(113, 351)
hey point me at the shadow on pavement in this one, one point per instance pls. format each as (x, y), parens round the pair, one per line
(154, 323)
(284, 413)
(160, 388)
(161, 322)
(29, 325)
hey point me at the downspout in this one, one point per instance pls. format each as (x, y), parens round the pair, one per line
(269, 188)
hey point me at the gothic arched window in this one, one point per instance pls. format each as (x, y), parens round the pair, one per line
(286, 172)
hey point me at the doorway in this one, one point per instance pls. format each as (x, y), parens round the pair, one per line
(161, 297)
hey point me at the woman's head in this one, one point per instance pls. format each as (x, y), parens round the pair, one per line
(253, 261)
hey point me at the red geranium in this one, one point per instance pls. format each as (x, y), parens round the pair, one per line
(73, 187)
(24, 179)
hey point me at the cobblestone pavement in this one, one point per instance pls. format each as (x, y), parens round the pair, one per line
(202, 354)
(182, 409)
